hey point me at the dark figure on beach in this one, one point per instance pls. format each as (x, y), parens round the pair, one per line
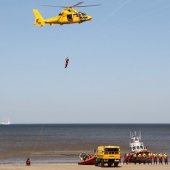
(139, 158)
(160, 158)
(150, 158)
(144, 158)
(28, 162)
(155, 158)
(125, 158)
(66, 62)
(166, 158)
(135, 158)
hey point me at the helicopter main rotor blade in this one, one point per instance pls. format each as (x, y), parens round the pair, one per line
(88, 5)
(64, 6)
(54, 6)
(76, 4)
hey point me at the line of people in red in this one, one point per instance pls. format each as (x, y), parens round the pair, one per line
(146, 158)
(160, 158)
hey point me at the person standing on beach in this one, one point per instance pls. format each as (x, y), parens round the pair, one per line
(150, 158)
(134, 158)
(165, 156)
(160, 158)
(124, 158)
(144, 158)
(155, 158)
(139, 158)
(28, 162)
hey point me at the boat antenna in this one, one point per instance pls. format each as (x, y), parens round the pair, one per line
(139, 134)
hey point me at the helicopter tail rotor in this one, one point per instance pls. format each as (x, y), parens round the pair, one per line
(39, 20)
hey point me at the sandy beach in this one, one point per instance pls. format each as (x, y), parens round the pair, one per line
(79, 167)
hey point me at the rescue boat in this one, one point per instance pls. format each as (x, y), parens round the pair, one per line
(86, 159)
(138, 152)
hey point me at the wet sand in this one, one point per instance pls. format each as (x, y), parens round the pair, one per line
(79, 167)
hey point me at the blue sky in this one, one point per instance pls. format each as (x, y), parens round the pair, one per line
(119, 63)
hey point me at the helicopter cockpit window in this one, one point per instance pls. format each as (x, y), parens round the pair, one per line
(82, 15)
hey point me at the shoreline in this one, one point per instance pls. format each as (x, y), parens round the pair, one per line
(73, 166)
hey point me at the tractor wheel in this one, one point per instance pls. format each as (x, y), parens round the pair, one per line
(116, 164)
(102, 163)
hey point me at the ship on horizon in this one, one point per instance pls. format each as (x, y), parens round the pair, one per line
(5, 122)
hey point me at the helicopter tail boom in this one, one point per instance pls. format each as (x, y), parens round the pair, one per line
(39, 20)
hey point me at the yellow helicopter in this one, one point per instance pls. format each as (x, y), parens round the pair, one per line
(67, 16)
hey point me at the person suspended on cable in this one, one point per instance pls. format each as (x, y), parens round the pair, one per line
(66, 62)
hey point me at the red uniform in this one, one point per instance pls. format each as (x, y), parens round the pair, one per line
(165, 158)
(28, 162)
(149, 158)
(155, 158)
(160, 158)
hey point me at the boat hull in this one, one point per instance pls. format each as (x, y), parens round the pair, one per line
(88, 161)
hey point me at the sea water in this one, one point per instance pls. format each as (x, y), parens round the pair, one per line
(62, 143)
